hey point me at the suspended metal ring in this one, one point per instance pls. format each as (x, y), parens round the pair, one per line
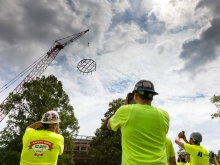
(86, 66)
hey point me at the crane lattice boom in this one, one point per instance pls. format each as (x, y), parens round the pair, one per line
(41, 66)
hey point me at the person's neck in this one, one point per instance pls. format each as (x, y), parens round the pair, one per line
(143, 102)
(50, 129)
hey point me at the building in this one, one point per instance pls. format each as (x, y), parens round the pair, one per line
(81, 150)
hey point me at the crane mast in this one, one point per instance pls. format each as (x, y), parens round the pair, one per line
(41, 66)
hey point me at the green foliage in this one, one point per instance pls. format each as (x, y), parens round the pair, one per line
(39, 96)
(105, 147)
(216, 101)
(67, 158)
(211, 157)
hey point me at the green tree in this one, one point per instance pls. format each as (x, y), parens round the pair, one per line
(216, 101)
(105, 147)
(38, 96)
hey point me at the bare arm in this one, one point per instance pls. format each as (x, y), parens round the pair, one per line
(215, 161)
(178, 141)
(109, 124)
(35, 125)
(172, 160)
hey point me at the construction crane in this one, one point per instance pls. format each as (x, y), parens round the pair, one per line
(41, 66)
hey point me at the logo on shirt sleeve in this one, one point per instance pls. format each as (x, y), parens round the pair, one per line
(40, 146)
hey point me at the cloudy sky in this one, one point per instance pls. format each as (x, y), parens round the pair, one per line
(173, 43)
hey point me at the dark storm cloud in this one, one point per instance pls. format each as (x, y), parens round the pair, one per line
(37, 21)
(29, 28)
(200, 51)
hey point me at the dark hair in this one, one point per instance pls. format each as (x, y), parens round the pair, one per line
(195, 141)
(46, 126)
(145, 95)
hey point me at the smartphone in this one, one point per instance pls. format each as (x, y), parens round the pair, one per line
(213, 155)
(183, 133)
(130, 98)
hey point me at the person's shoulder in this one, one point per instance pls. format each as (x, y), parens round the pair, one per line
(188, 145)
(29, 130)
(165, 113)
(125, 107)
(159, 109)
(204, 149)
(168, 139)
(58, 136)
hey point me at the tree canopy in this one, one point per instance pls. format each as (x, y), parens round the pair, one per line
(38, 97)
(216, 101)
(105, 147)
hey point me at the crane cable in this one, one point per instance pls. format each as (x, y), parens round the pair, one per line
(21, 74)
(4, 87)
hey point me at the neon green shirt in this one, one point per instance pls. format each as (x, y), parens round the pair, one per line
(180, 163)
(170, 152)
(41, 147)
(198, 154)
(143, 130)
(188, 163)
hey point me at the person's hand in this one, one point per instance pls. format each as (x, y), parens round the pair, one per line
(215, 161)
(180, 135)
(57, 127)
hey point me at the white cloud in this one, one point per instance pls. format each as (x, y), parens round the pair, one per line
(130, 33)
(120, 6)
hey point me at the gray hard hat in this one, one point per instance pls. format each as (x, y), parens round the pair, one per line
(145, 85)
(196, 136)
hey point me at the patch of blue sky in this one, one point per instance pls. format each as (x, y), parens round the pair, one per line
(149, 23)
(102, 52)
(72, 6)
(61, 59)
(187, 98)
(118, 87)
(185, 28)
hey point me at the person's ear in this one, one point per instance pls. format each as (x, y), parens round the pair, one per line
(135, 96)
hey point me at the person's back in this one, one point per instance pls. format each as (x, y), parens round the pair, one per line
(198, 154)
(144, 134)
(42, 146)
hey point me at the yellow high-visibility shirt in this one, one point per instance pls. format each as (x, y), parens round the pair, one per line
(41, 147)
(169, 150)
(198, 154)
(143, 129)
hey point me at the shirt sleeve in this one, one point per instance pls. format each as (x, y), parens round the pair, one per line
(115, 121)
(27, 133)
(120, 117)
(172, 151)
(61, 145)
(188, 148)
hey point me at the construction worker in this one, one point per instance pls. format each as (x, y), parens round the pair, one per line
(214, 159)
(187, 158)
(198, 154)
(42, 146)
(181, 157)
(171, 159)
(215, 162)
(143, 128)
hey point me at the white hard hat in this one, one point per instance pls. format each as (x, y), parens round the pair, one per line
(50, 117)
